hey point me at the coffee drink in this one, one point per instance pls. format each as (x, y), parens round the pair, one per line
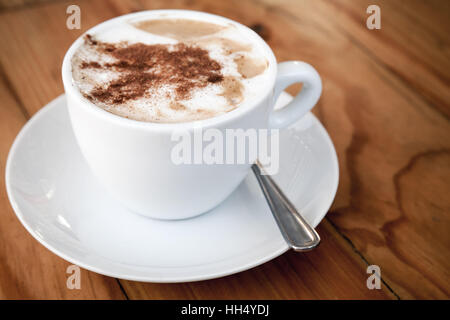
(165, 69)
(169, 69)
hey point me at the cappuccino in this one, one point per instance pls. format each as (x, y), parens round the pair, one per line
(170, 69)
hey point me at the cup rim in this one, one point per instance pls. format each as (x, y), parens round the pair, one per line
(71, 89)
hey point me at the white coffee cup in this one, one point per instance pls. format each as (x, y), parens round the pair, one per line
(132, 159)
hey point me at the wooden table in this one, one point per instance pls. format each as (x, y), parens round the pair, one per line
(385, 104)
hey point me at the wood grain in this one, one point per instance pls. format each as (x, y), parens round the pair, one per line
(385, 104)
(17, 4)
(393, 107)
(412, 44)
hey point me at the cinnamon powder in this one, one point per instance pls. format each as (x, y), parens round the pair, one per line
(143, 67)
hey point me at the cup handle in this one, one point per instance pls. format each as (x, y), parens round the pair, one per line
(292, 72)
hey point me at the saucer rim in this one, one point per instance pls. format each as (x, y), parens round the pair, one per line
(160, 279)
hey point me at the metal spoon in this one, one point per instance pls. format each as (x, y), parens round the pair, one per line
(296, 231)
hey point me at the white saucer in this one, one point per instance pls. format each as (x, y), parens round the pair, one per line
(59, 202)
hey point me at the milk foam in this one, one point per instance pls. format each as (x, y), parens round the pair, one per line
(159, 105)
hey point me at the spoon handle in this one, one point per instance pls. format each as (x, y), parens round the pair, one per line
(296, 231)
